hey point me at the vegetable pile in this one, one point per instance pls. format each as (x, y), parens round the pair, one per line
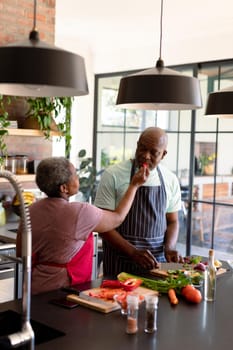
(163, 285)
(176, 283)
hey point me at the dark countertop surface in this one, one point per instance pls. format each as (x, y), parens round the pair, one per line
(202, 326)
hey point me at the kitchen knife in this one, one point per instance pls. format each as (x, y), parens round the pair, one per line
(85, 296)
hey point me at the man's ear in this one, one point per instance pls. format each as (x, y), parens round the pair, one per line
(164, 154)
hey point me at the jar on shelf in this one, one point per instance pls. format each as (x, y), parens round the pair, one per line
(21, 164)
(10, 164)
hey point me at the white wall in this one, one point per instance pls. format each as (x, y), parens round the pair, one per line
(82, 112)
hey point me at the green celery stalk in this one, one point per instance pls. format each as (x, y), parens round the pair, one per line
(161, 286)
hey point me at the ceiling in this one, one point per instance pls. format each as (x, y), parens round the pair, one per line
(105, 24)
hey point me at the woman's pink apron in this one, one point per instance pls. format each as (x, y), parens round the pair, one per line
(79, 268)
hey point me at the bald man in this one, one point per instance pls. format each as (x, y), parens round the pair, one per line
(152, 226)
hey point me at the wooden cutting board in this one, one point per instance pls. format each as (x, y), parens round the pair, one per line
(103, 305)
(94, 304)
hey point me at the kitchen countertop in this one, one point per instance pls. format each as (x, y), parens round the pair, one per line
(199, 326)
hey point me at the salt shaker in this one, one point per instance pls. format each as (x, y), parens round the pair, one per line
(132, 314)
(151, 313)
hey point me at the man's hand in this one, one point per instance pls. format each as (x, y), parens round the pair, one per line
(173, 256)
(145, 259)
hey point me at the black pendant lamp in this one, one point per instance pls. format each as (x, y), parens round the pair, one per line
(34, 68)
(159, 88)
(220, 103)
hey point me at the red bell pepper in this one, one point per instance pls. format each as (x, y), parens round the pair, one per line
(131, 283)
(128, 285)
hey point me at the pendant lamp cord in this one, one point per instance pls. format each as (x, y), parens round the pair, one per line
(34, 16)
(159, 63)
(34, 34)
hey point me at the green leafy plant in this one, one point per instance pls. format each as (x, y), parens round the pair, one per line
(46, 109)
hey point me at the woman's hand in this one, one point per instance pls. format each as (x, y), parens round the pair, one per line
(140, 176)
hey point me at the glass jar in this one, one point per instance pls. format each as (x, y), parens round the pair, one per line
(10, 164)
(21, 164)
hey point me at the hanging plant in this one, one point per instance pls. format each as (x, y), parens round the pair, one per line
(43, 111)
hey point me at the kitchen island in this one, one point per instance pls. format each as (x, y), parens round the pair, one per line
(200, 326)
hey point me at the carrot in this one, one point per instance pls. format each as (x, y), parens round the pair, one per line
(172, 296)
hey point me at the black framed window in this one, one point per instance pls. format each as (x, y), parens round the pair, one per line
(199, 153)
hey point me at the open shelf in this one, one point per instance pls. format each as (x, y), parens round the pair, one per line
(30, 132)
(22, 178)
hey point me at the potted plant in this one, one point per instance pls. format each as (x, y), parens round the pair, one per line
(207, 163)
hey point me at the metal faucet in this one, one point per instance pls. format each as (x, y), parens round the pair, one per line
(26, 335)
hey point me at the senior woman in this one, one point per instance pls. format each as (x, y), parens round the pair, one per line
(62, 242)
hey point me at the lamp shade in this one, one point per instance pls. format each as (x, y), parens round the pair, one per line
(34, 68)
(159, 88)
(220, 103)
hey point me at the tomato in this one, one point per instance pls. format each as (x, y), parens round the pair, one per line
(191, 294)
(187, 289)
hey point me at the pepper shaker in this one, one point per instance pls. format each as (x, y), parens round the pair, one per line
(151, 313)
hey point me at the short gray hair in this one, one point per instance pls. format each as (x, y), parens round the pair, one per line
(51, 173)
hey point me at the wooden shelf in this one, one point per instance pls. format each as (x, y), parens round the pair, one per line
(30, 132)
(22, 178)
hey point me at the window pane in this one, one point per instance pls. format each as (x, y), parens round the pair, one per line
(110, 149)
(185, 121)
(223, 235)
(226, 125)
